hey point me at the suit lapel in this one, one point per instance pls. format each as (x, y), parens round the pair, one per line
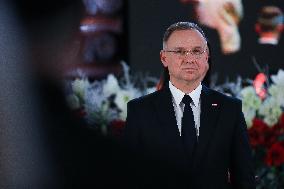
(166, 116)
(210, 106)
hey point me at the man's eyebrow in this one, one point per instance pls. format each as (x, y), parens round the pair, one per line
(179, 48)
(198, 46)
(183, 48)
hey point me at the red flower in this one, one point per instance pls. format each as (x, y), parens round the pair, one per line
(116, 128)
(260, 134)
(80, 112)
(275, 155)
(280, 124)
(278, 129)
(281, 120)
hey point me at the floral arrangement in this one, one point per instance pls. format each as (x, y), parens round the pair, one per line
(103, 104)
(263, 110)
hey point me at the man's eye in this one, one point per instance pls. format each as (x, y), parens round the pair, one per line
(180, 52)
(196, 51)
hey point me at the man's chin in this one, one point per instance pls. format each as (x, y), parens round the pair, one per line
(191, 78)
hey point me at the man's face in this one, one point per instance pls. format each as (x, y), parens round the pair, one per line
(189, 68)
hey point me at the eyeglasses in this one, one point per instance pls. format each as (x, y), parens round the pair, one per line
(196, 52)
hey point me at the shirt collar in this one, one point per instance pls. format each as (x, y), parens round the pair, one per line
(178, 94)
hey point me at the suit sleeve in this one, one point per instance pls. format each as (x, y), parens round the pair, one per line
(242, 173)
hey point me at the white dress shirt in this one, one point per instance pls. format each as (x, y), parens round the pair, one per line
(177, 96)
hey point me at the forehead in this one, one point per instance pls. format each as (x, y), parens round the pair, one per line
(186, 38)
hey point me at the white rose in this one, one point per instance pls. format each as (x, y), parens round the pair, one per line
(111, 85)
(73, 101)
(79, 86)
(249, 115)
(270, 110)
(250, 99)
(277, 92)
(121, 99)
(279, 78)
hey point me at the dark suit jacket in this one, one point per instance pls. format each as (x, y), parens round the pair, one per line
(152, 132)
(269, 55)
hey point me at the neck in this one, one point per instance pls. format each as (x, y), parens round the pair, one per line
(186, 87)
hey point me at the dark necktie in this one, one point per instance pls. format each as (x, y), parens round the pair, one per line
(188, 131)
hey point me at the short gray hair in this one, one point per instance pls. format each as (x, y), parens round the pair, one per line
(181, 26)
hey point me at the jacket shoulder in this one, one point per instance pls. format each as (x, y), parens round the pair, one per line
(223, 97)
(149, 98)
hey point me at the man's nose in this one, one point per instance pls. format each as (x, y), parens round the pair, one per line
(188, 56)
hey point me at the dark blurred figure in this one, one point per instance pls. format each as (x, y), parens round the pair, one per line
(270, 25)
(42, 144)
(254, 56)
(23, 162)
(268, 49)
(262, 51)
(230, 26)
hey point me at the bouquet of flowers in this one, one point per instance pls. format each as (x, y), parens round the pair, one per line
(263, 110)
(103, 104)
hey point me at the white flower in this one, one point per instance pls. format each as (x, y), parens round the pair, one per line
(277, 92)
(121, 99)
(248, 91)
(249, 115)
(79, 86)
(279, 78)
(106, 100)
(270, 110)
(250, 103)
(73, 101)
(97, 106)
(94, 97)
(110, 86)
(250, 98)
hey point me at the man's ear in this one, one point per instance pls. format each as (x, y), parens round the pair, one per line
(207, 54)
(163, 58)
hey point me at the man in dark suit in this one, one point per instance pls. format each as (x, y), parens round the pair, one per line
(189, 135)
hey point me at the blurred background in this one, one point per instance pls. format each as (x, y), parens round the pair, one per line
(245, 36)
